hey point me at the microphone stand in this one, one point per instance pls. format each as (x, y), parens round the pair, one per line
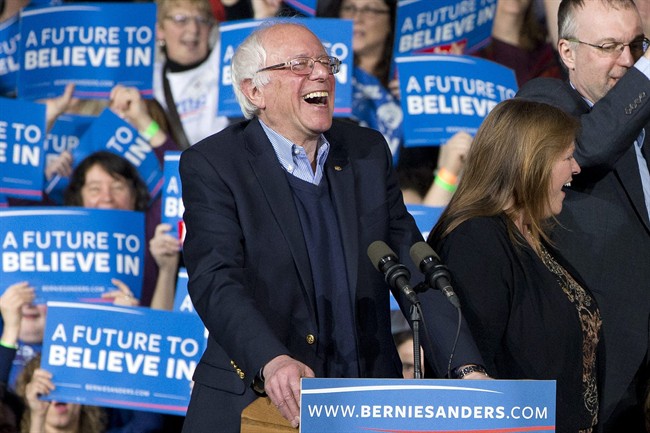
(416, 319)
(417, 362)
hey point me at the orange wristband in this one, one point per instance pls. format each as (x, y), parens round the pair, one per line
(446, 176)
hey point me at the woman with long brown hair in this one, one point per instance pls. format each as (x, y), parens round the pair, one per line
(531, 315)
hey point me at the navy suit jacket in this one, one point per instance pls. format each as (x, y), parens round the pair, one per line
(605, 230)
(250, 277)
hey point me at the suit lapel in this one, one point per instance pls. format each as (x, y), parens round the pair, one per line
(272, 181)
(343, 191)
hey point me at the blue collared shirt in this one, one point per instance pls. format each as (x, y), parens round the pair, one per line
(293, 158)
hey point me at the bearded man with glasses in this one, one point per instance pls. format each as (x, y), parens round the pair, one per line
(280, 211)
(604, 228)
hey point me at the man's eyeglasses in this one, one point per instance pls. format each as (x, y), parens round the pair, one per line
(637, 47)
(183, 20)
(305, 65)
(351, 10)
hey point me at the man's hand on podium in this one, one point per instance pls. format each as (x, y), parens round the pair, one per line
(282, 384)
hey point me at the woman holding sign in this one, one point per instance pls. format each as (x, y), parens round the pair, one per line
(105, 180)
(530, 314)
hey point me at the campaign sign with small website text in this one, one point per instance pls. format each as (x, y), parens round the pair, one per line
(93, 45)
(9, 60)
(336, 36)
(445, 94)
(172, 195)
(123, 357)
(72, 253)
(22, 134)
(399, 405)
(443, 26)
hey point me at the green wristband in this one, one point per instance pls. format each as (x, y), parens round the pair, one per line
(8, 346)
(444, 185)
(151, 130)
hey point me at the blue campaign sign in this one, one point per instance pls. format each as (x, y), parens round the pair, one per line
(445, 94)
(361, 405)
(307, 7)
(64, 135)
(72, 253)
(9, 61)
(182, 301)
(336, 36)
(172, 195)
(122, 357)
(443, 26)
(110, 132)
(22, 133)
(425, 217)
(94, 45)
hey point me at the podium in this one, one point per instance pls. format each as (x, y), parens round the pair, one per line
(261, 416)
(450, 405)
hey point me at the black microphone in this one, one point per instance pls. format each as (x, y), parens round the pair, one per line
(396, 274)
(436, 274)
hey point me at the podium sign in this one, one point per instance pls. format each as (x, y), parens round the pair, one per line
(390, 405)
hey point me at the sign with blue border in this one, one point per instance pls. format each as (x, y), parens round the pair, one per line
(65, 135)
(72, 253)
(172, 195)
(123, 357)
(445, 94)
(22, 134)
(9, 60)
(427, 406)
(182, 300)
(93, 45)
(442, 26)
